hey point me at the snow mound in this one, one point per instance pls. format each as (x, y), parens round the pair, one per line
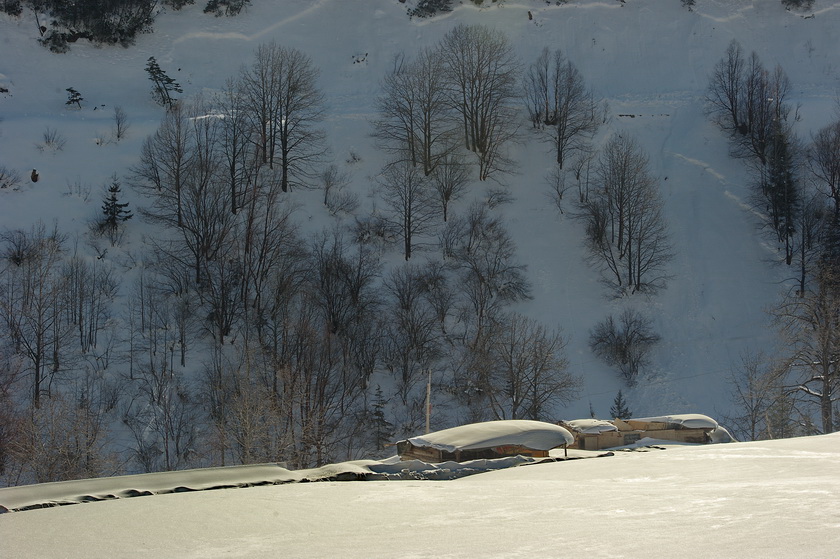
(591, 425)
(683, 421)
(536, 435)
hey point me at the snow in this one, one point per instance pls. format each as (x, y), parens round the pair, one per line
(536, 435)
(685, 420)
(591, 425)
(770, 499)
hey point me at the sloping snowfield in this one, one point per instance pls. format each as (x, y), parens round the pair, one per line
(746, 500)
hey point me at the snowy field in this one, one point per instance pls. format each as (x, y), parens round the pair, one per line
(772, 499)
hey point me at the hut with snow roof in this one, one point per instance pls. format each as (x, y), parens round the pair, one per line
(597, 434)
(490, 439)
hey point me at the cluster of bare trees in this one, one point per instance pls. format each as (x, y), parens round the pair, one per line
(58, 338)
(460, 95)
(751, 104)
(626, 228)
(559, 103)
(242, 341)
(796, 185)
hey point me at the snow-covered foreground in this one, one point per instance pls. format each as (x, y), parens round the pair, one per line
(761, 499)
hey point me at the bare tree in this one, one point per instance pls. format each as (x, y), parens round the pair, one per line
(236, 144)
(560, 103)
(336, 198)
(530, 373)
(626, 228)
(121, 123)
(824, 160)
(481, 71)
(755, 388)
(164, 164)
(724, 96)
(409, 196)
(281, 99)
(450, 180)
(32, 303)
(414, 115)
(811, 325)
(412, 342)
(480, 248)
(748, 101)
(624, 343)
(182, 172)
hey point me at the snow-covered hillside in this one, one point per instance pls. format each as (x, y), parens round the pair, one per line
(649, 59)
(769, 499)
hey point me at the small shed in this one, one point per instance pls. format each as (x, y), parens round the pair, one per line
(490, 439)
(597, 434)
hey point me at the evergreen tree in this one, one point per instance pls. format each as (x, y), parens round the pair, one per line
(780, 187)
(74, 97)
(383, 430)
(619, 409)
(163, 86)
(115, 212)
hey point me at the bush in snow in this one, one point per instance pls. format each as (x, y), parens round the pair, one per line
(225, 7)
(801, 5)
(624, 343)
(9, 178)
(428, 8)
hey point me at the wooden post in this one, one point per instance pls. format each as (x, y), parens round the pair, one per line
(428, 402)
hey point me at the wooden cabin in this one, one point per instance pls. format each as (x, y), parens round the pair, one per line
(487, 440)
(600, 434)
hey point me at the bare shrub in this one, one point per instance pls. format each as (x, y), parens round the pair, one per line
(9, 178)
(121, 123)
(52, 140)
(625, 342)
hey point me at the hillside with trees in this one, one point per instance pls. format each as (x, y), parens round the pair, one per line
(264, 238)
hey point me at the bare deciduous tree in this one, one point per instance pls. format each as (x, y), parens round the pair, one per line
(824, 159)
(414, 115)
(32, 304)
(410, 198)
(280, 97)
(626, 228)
(530, 373)
(560, 103)
(121, 123)
(412, 343)
(481, 249)
(481, 72)
(724, 95)
(811, 325)
(624, 343)
(450, 180)
(755, 388)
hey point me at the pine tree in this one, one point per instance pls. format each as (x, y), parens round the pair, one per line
(163, 86)
(74, 97)
(115, 212)
(619, 409)
(780, 188)
(383, 430)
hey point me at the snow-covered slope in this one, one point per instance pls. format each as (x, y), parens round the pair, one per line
(648, 58)
(771, 499)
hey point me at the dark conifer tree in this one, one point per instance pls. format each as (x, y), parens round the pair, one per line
(115, 212)
(163, 87)
(619, 409)
(382, 429)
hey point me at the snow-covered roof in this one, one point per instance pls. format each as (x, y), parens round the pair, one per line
(686, 420)
(591, 425)
(536, 435)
